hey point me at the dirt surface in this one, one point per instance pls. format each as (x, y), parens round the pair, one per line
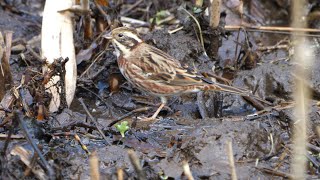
(194, 128)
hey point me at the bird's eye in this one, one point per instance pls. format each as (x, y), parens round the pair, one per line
(120, 35)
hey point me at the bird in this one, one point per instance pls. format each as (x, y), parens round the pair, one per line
(155, 72)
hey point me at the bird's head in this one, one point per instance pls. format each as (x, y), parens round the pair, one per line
(124, 39)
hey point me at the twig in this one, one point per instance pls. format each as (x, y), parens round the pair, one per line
(231, 161)
(18, 116)
(12, 136)
(129, 114)
(134, 21)
(282, 157)
(136, 165)
(34, 54)
(93, 62)
(275, 172)
(266, 112)
(67, 134)
(74, 124)
(76, 137)
(313, 147)
(272, 28)
(199, 27)
(314, 161)
(256, 103)
(153, 104)
(93, 120)
(175, 30)
(100, 98)
(275, 47)
(6, 144)
(272, 144)
(106, 16)
(131, 8)
(18, 48)
(83, 146)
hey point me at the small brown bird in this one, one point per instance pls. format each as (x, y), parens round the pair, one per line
(157, 73)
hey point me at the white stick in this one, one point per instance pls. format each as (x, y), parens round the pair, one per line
(57, 41)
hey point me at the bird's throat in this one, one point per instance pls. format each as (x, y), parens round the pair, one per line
(120, 49)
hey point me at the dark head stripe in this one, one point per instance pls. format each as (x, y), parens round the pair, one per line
(130, 42)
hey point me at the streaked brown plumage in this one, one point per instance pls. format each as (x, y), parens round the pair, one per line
(155, 72)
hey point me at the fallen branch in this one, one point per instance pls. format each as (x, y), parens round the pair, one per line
(93, 120)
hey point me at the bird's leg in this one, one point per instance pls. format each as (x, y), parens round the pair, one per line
(158, 111)
(153, 117)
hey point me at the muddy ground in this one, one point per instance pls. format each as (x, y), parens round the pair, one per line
(195, 128)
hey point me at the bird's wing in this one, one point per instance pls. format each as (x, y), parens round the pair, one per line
(163, 68)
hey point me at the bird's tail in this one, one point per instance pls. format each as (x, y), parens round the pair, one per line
(227, 88)
(234, 90)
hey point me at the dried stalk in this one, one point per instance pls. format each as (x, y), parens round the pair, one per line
(231, 161)
(214, 23)
(215, 13)
(56, 42)
(5, 73)
(303, 59)
(88, 29)
(94, 166)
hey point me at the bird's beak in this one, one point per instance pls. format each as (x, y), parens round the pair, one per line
(107, 35)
